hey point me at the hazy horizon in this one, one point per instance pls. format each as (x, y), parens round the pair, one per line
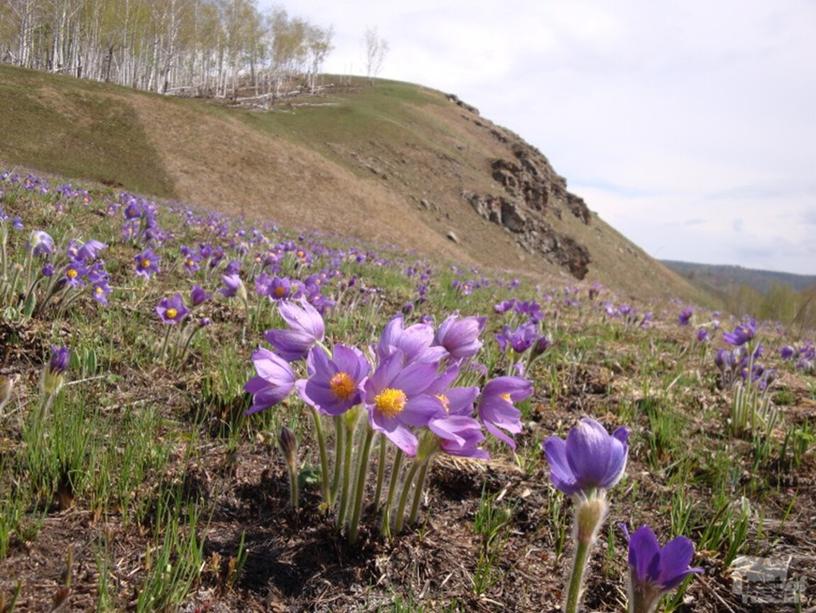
(685, 125)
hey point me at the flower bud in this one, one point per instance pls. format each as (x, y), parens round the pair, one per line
(288, 444)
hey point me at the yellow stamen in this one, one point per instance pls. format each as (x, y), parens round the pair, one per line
(99, 290)
(342, 386)
(507, 397)
(301, 253)
(171, 313)
(445, 402)
(145, 263)
(280, 291)
(390, 402)
(72, 273)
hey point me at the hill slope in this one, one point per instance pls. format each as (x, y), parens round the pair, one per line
(395, 163)
(720, 277)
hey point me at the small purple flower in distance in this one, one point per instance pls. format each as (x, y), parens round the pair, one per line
(685, 316)
(41, 243)
(787, 352)
(496, 406)
(655, 570)
(171, 310)
(589, 459)
(519, 339)
(198, 295)
(60, 357)
(146, 263)
(702, 335)
(742, 334)
(273, 382)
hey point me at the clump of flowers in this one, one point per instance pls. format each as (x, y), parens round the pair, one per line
(405, 402)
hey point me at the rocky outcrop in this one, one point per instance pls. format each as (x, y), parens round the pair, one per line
(532, 191)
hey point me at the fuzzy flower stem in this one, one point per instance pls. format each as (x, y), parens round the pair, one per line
(420, 485)
(576, 579)
(380, 472)
(344, 491)
(362, 473)
(403, 500)
(392, 487)
(164, 343)
(324, 461)
(339, 441)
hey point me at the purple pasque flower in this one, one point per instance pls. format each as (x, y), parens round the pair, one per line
(198, 295)
(590, 459)
(335, 383)
(41, 243)
(496, 406)
(279, 288)
(685, 316)
(655, 570)
(787, 352)
(702, 335)
(460, 336)
(90, 250)
(146, 263)
(504, 306)
(742, 334)
(413, 343)
(60, 357)
(171, 310)
(273, 382)
(396, 401)
(306, 328)
(101, 291)
(233, 286)
(75, 272)
(519, 339)
(455, 400)
(459, 435)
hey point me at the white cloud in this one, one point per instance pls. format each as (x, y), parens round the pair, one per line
(656, 112)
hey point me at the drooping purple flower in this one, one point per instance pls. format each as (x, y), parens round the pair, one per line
(198, 295)
(496, 410)
(685, 316)
(655, 570)
(702, 335)
(273, 382)
(60, 357)
(589, 459)
(146, 263)
(396, 400)
(519, 339)
(787, 352)
(171, 310)
(460, 336)
(742, 334)
(90, 250)
(459, 435)
(335, 383)
(306, 328)
(232, 286)
(504, 306)
(101, 291)
(41, 243)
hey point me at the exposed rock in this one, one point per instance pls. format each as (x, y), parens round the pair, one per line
(511, 217)
(457, 101)
(452, 236)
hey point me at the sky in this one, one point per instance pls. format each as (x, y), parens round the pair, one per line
(689, 126)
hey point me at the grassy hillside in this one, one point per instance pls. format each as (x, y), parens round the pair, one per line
(388, 163)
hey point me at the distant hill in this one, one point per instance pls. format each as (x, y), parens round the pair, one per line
(718, 278)
(393, 163)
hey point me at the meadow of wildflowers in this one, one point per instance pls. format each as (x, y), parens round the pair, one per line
(202, 413)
